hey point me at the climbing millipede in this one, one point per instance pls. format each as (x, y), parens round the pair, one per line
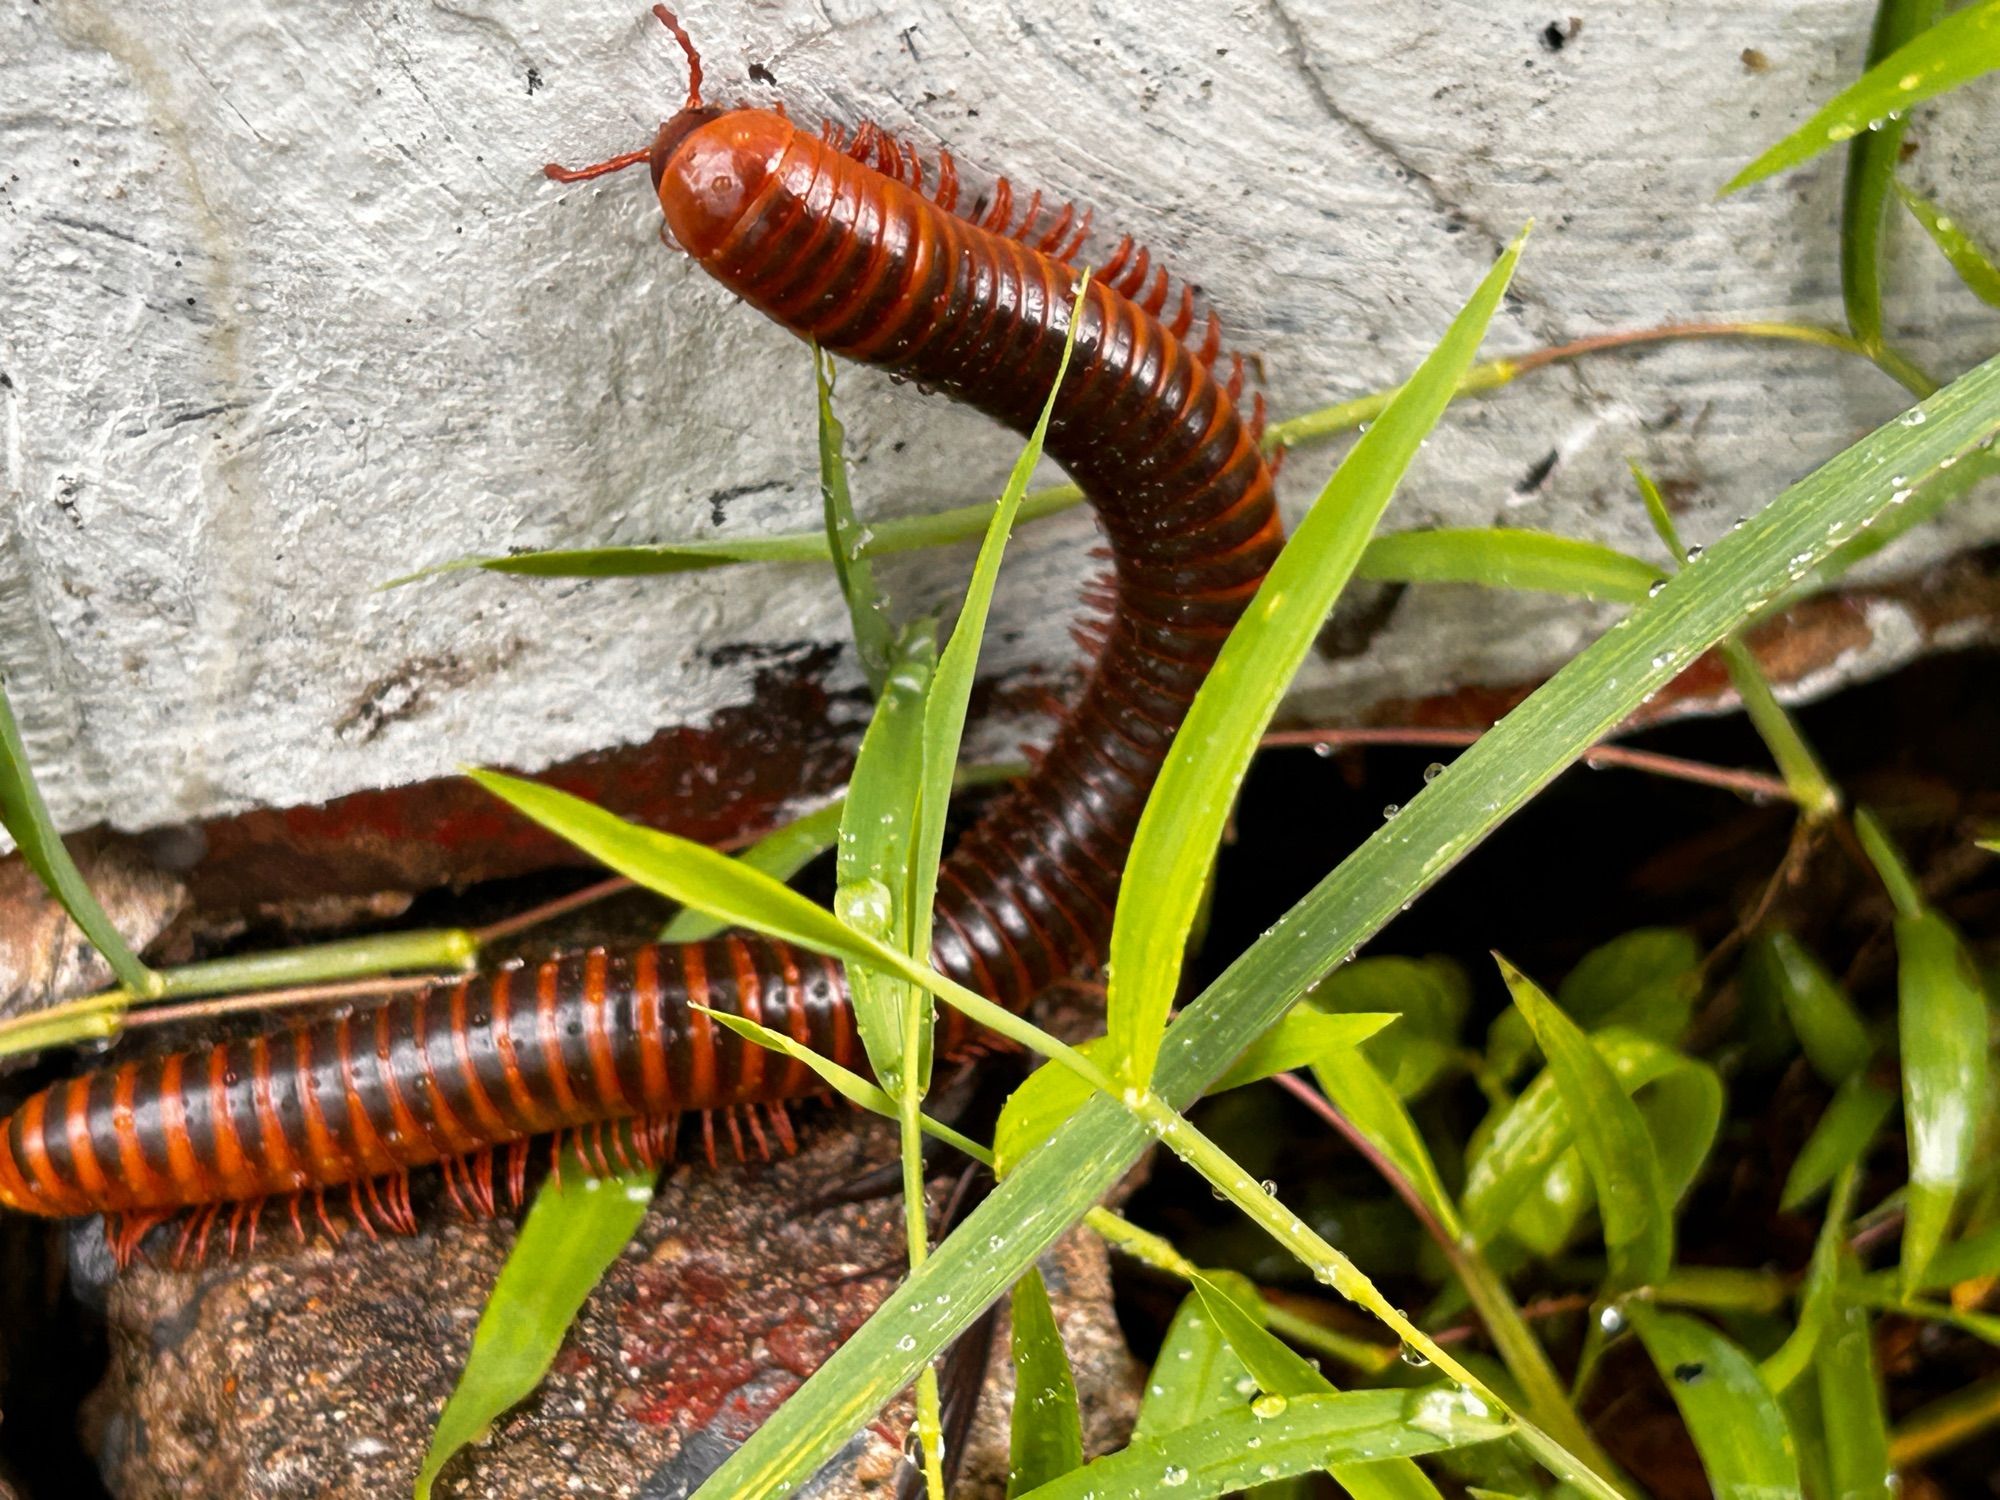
(841, 240)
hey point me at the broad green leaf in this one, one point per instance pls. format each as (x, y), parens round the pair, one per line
(1958, 49)
(1429, 995)
(1617, 1149)
(1733, 1419)
(1190, 802)
(1364, 1098)
(1942, 1006)
(780, 854)
(1302, 1037)
(1974, 266)
(1307, 1434)
(1843, 1133)
(1196, 1376)
(1577, 706)
(1047, 1427)
(1828, 1027)
(577, 1227)
(876, 860)
(26, 818)
(847, 543)
(1851, 1407)
(1501, 557)
(1533, 1133)
(1279, 1371)
(1871, 168)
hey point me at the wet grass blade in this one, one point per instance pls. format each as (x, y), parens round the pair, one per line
(1958, 49)
(1974, 266)
(1779, 968)
(1851, 1407)
(1941, 1015)
(26, 818)
(1871, 168)
(1047, 1428)
(848, 543)
(1500, 557)
(1575, 708)
(1364, 1098)
(1616, 1146)
(951, 689)
(1308, 1434)
(1733, 1419)
(1184, 817)
(1281, 1372)
(876, 858)
(780, 854)
(1195, 1377)
(575, 1230)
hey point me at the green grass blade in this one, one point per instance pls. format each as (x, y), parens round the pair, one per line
(1575, 708)
(1871, 168)
(780, 854)
(951, 688)
(1364, 1098)
(1942, 1009)
(575, 1230)
(1196, 1376)
(1047, 1428)
(1837, 1142)
(1958, 49)
(1851, 1406)
(1501, 557)
(1536, 1130)
(1429, 997)
(850, 1085)
(1308, 1435)
(876, 860)
(1302, 1037)
(847, 543)
(1279, 1371)
(1830, 1030)
(1974, 266)
(1184, 817)
(1782, 1369)
(1734, 1421)
(1617, 1148)
(26, 818)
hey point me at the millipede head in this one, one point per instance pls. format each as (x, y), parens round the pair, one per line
(693, 113)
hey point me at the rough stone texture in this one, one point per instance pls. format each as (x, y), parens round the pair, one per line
(315, 1374)
(290, 312)
(43, 953)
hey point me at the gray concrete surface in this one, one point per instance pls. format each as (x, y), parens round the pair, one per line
(288, 311)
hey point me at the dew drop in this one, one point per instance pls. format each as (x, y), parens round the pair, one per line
(1173, 1476)
(1657, 587)
(1432, 771)
(1612, 1319)
(1266, 1407)
(1392, 809)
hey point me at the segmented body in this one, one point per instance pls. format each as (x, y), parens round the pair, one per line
(854, 253)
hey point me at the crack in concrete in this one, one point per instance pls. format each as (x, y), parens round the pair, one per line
(1534, 310)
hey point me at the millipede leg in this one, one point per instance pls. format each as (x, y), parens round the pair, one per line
(757, 1132)
(451, 1168)
(708, 1135)
(781, 1122)
(735, 1132)
(517, 1172)
(355, 1202)
(325, 1219)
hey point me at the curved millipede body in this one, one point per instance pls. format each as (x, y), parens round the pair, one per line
(840, 241)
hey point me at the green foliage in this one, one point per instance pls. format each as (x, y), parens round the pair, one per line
(1733, 1418)
(1047, 1427)
(1956, 50)
(26, 817)
(575, 1230)
(1184, 816)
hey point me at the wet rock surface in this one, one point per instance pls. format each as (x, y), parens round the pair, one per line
(319, 1371)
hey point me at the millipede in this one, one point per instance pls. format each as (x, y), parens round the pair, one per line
(852, 241)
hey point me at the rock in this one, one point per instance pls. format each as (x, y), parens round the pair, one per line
(317, 1374)
(43, 954)
(292, 311)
